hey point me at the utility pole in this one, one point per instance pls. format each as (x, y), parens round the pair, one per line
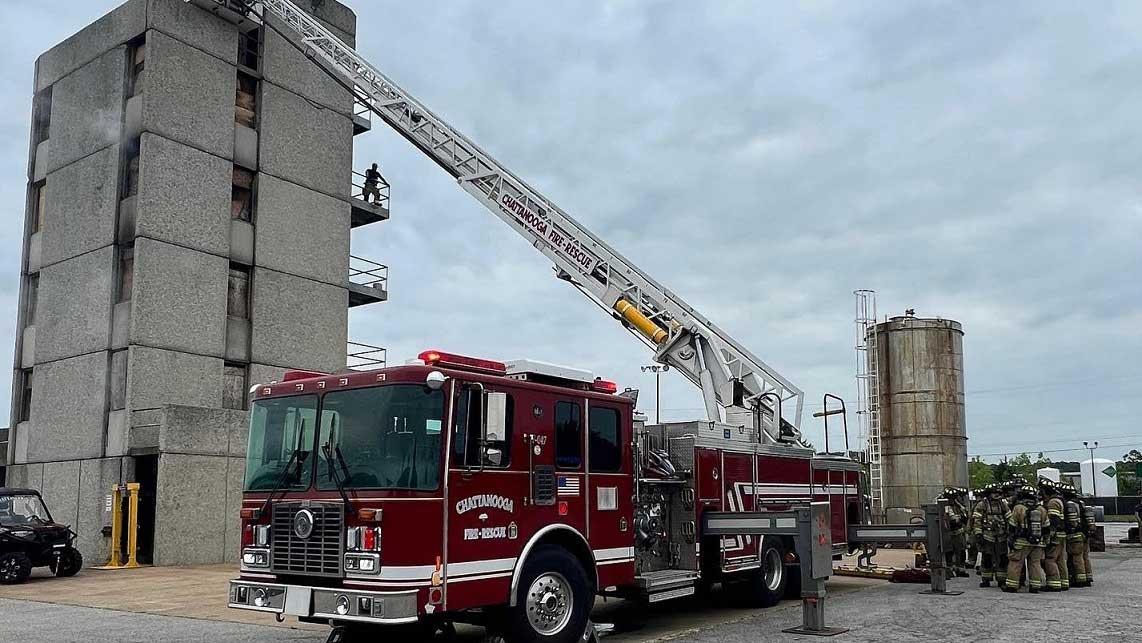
(1093, 484)
(657, 369)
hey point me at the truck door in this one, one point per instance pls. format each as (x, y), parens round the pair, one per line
(610, 485)
(570, 463)
(487, 486)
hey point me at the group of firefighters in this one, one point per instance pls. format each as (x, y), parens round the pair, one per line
(1046, 526)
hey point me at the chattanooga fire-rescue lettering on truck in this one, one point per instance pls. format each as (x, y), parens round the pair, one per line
(485, 500)
(425, 495)
(543, 229)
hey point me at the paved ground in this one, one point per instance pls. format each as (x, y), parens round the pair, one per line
(32, 622)
(138, 606)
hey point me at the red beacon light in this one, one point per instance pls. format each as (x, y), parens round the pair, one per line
(604, 386)
(451, 360)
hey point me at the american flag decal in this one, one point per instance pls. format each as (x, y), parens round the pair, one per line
(568, 487)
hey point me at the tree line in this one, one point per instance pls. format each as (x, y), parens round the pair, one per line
(981, 473)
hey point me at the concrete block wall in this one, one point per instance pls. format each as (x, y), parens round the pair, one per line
(131, 364)
(75, 492)
(201, 468)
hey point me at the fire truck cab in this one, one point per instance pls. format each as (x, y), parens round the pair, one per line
(505, 494)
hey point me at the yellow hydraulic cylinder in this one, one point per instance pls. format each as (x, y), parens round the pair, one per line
(116, 525)
(631, 314)
(133, 525)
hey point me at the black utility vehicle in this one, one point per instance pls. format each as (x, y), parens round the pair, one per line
(30, 538)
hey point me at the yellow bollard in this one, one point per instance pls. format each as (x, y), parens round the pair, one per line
(133, 525)
(116, 525)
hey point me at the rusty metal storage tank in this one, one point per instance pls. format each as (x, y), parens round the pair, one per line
(920, 400)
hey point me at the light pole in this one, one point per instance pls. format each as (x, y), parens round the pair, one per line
(657, 369)
(1093, 484)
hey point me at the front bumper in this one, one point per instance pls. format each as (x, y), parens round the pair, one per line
(338, 604)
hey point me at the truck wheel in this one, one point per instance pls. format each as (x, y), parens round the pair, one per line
(69, 563)
(765, 587)
(553, 601)
(772, 577)
(14, 568)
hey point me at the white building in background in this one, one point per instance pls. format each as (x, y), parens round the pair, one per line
(1103, 474)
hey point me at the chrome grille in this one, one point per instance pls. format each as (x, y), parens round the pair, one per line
(318, 555)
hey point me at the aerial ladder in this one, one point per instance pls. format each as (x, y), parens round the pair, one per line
(737, 386)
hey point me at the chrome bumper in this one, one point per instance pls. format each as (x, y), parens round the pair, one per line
(382, 608)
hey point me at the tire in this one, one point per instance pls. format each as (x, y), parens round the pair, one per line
(553, 600)
(765, 587)
(69, 563)
(15, 568)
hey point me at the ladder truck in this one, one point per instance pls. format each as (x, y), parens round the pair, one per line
(510, 493)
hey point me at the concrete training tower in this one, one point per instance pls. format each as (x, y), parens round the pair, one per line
(187, 235)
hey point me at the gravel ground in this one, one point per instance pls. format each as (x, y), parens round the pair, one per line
(1109, 611)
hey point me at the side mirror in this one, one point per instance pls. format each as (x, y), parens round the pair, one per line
(496, 417)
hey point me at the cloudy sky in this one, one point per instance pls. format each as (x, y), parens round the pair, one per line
(974, 161)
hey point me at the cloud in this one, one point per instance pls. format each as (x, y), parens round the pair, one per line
(763, 161)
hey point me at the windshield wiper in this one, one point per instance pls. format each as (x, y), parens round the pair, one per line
(328, 450)
(297, 455)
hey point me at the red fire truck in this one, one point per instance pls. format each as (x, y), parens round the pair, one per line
(512, 493)
(507, 494)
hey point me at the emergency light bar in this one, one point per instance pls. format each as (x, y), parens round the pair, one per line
(293, 375)
(451, 360)
(604, 386)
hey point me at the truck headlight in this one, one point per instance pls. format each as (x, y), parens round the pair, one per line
(362, 563)
(256, 558)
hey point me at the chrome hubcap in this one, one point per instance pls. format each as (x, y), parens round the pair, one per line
(774, 569)
(549, 603)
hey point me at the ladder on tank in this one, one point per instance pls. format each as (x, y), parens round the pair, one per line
(868, 394)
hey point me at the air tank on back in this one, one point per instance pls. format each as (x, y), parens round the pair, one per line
(920, 395)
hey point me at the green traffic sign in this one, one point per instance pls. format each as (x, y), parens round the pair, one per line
(1110, 472)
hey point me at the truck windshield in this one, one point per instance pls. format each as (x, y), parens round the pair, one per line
(278, 428)
(22, 511)
(386, 437)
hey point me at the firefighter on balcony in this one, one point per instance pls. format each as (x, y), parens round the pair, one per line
(1076, 537)
(372, 186)
(989, 532)
(1055, 546)
(1025, 540)
(956, 518)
